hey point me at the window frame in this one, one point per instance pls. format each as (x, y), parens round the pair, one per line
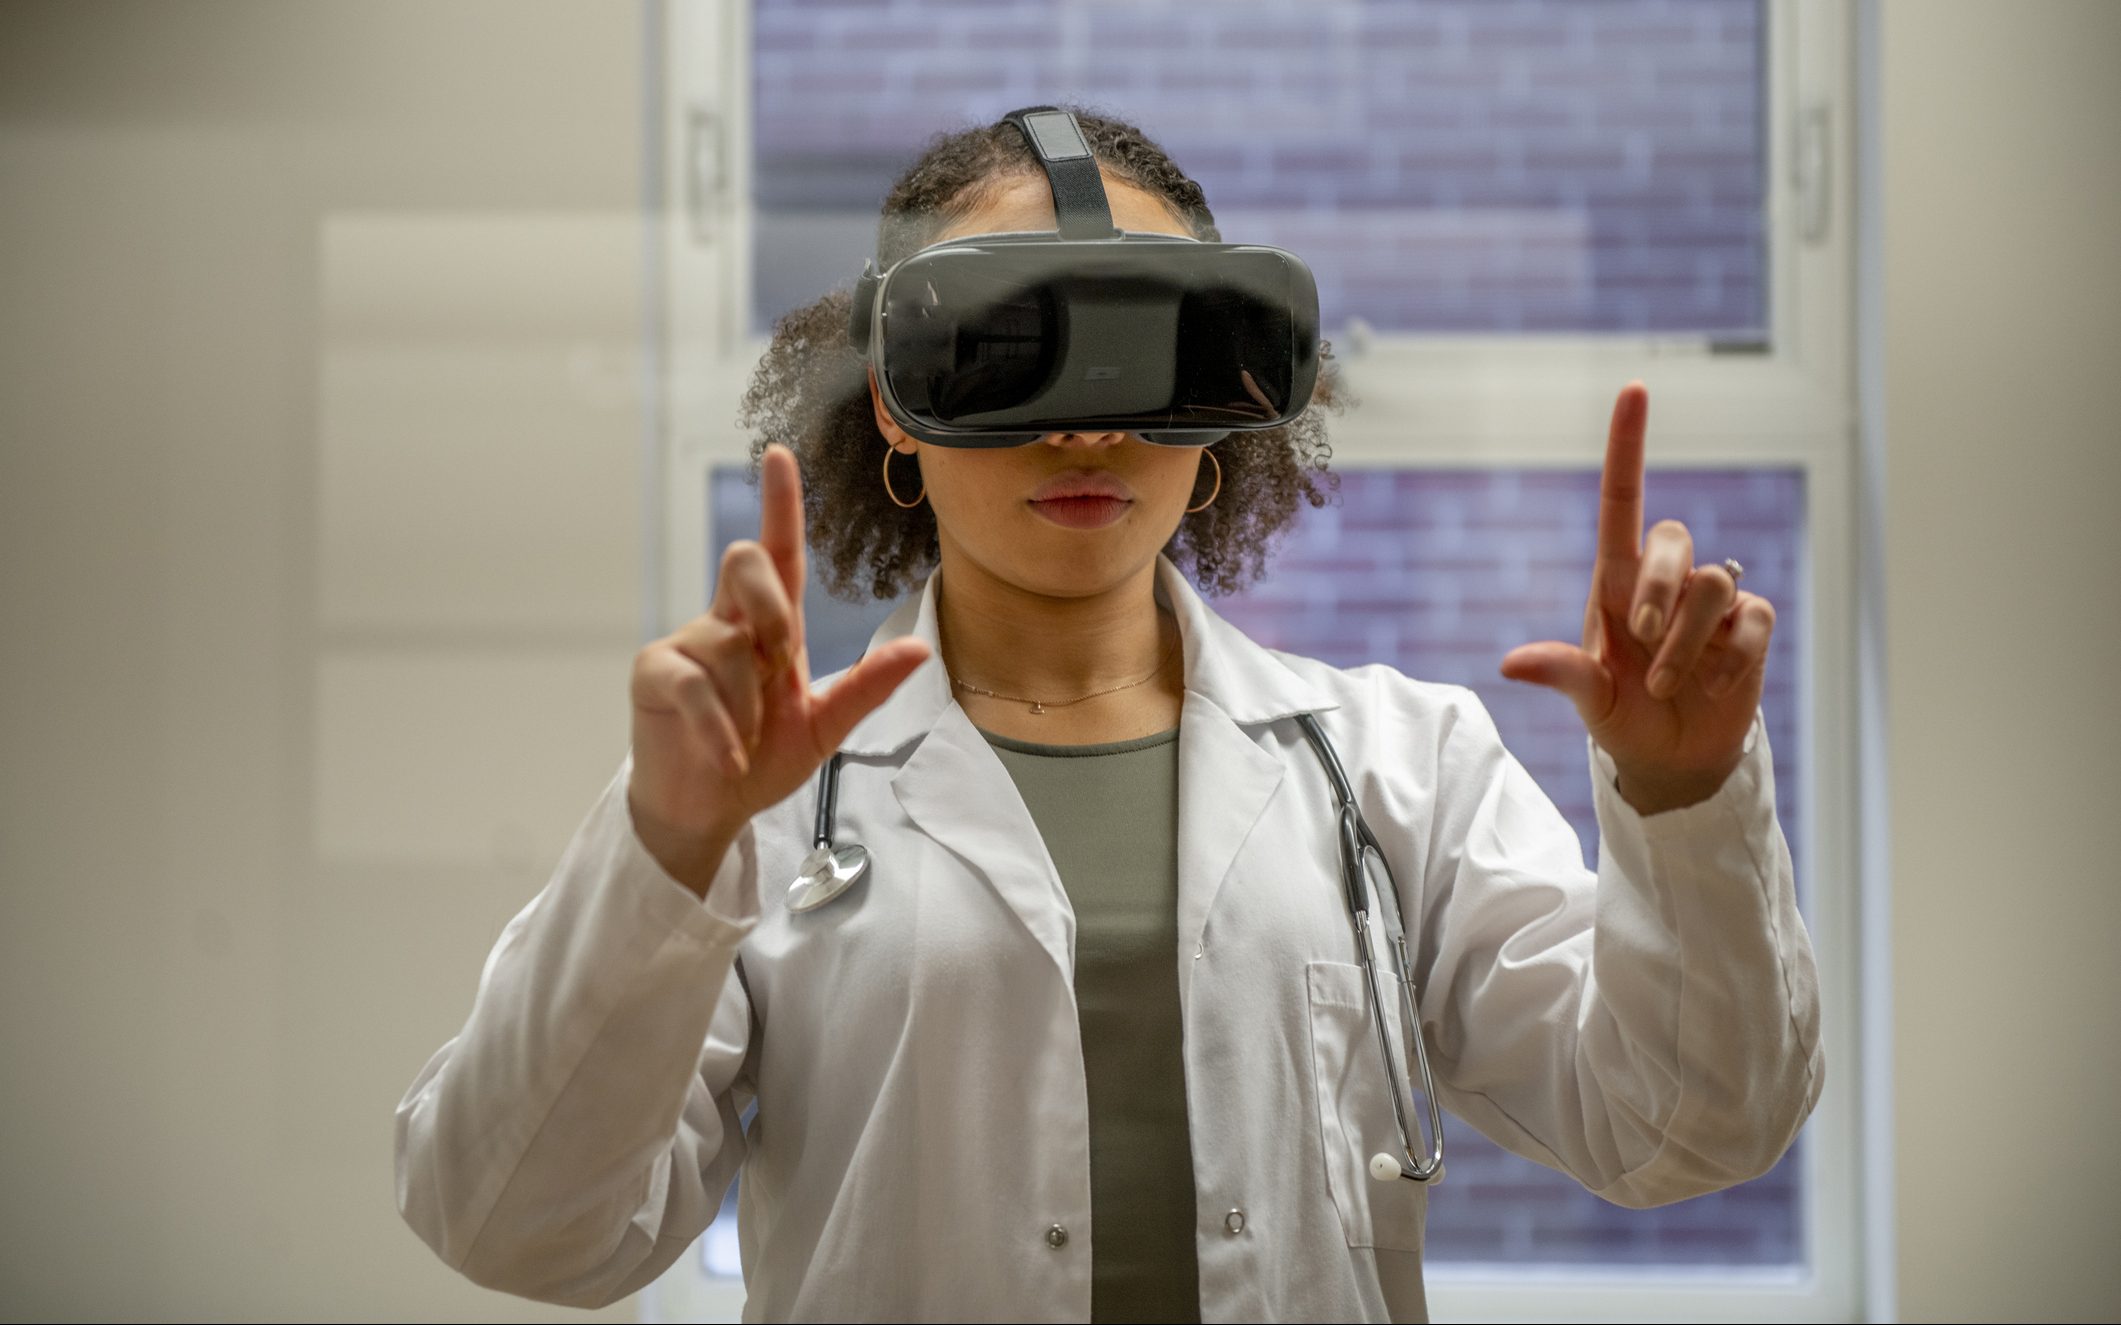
(1426, 402)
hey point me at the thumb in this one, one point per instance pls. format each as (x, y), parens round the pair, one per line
(1566, 668)
(862, 688)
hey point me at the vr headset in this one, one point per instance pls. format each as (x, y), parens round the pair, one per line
(998, 340)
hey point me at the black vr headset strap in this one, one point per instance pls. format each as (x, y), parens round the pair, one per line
(1078, 190)
(1078, 199)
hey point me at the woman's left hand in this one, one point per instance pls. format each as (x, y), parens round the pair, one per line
(1670, 671)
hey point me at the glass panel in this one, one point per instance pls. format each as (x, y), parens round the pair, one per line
(1453, 166)
(1439, 573)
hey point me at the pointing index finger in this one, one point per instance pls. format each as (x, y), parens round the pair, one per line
(781, 519)
(1620, 495)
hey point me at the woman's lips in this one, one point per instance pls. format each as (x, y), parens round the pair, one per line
(1087, 512)
(1082, 498)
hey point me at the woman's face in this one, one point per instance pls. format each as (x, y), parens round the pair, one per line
(1072, 514)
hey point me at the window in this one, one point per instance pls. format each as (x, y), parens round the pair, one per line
(1513, 206)
(1457, 165)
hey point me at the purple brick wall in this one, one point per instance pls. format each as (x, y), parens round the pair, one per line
(1440, 573)
(1447, 166)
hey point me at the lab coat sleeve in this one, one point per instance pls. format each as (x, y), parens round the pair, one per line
(1652, 1030)
(581, 1130)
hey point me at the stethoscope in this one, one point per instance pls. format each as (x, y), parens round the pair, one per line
(829, 871)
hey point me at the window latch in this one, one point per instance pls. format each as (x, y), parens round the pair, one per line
(1812, 164)
(706, 172)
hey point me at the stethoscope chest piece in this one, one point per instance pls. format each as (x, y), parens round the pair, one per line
(825, 874)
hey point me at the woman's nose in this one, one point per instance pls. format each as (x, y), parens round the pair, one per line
(1083, 439)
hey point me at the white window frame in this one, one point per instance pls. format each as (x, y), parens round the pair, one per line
(1427, 402)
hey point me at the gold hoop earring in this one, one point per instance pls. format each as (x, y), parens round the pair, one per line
(1190, 510)
(890, 451)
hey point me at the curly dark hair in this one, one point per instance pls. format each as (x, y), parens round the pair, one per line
(810, 392)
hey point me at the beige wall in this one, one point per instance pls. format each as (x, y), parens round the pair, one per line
(319, 576)
(2001, 130)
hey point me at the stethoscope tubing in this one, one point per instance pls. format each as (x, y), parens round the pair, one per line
(1357, 843)
(828, 801)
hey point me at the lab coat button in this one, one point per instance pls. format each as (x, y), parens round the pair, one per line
(1234, 1222)
(1056, 1237)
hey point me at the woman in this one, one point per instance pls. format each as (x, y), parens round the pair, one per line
(1090, 1040)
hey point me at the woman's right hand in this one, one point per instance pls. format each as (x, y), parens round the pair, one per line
(724, 723)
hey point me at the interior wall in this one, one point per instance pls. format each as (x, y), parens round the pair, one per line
(319, 580)
(2001, 159)
(318, 577)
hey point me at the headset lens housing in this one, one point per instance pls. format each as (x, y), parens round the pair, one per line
(996, 342)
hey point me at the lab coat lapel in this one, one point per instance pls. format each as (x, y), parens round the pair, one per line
(1224, 783)
(956, 790)
(1227, 774)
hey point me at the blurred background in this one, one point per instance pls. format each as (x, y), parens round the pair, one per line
(368, 376)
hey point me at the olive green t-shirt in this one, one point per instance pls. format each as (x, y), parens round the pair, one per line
(1109, 817)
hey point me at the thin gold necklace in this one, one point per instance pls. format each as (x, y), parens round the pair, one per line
(1041, 705)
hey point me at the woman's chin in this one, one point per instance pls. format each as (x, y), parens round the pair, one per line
(1077, 565)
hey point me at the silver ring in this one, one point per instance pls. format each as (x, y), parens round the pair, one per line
(1737, 571)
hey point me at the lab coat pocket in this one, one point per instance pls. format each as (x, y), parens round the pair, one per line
(1355, 1118)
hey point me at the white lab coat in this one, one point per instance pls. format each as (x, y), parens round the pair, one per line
(921, 1147)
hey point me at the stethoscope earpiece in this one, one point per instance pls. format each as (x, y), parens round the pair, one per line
(1384, 1168)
